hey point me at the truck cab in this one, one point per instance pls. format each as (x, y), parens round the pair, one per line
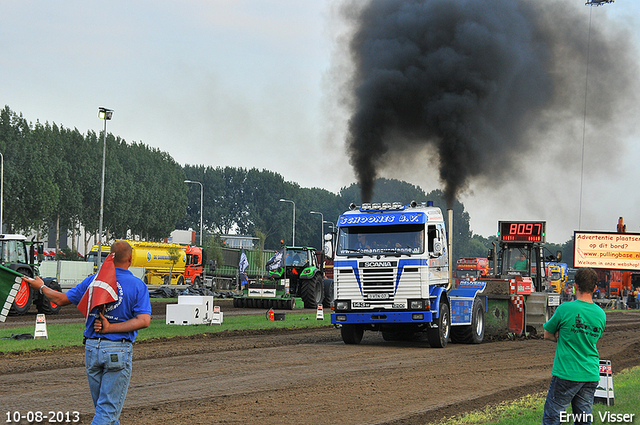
(391, 274)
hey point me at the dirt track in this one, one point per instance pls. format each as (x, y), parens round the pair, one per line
(301, 377)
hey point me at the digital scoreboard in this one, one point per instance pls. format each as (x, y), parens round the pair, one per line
(521, 231)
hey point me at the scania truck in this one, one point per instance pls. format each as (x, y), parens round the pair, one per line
(391, 274)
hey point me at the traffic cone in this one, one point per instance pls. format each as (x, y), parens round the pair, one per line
(319, 313)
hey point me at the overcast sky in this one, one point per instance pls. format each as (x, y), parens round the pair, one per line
(252, 84)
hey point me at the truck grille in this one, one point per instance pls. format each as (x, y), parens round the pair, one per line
(379, 286)
(378, 281)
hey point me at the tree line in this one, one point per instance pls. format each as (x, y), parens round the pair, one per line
(52, 179)
(53, 176)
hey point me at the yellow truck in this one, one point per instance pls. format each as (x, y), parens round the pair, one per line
(559, 278)
(163, 263)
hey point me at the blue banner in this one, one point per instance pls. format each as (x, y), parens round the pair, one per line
(382, 219)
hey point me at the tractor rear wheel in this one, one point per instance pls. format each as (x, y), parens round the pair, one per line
(311, 291)
(44, 304)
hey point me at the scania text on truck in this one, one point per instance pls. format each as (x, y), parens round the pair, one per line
(391, 274)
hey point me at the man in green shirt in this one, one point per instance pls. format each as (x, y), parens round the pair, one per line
(576, 326)
(521, 264)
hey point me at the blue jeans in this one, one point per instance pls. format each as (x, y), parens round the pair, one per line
(108, 365)
(561, 394)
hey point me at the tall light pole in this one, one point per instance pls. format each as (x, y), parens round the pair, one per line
(321, 228)
(104, 114)
(293, 243)
(333, 227)
(201, 187)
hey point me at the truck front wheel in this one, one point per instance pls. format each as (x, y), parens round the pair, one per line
(439, 336)
(352, 334)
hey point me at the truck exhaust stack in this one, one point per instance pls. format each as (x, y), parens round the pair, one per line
(450, 247)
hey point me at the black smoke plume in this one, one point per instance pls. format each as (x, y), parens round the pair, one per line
(467, 79)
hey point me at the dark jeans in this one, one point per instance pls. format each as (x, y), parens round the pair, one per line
(561, 394)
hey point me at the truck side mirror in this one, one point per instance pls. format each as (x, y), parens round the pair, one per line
(490, 255)
(437, 248)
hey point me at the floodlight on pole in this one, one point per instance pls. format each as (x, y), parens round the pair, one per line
(333, 227)
(104, 114)
(321, 227)
(293, 243)
(201, 198)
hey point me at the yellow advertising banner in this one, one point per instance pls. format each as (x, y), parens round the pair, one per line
(602, 250)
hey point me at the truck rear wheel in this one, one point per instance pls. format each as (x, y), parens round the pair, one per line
(311, 291)
(439, 336)
(44, 304)
(473, 333)
(352, 334)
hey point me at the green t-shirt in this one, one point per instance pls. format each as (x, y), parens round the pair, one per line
(580, 325)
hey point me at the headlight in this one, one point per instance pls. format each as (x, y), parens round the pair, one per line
(415, 305)
(342, 305)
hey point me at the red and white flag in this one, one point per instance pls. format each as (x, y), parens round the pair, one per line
(103, 290)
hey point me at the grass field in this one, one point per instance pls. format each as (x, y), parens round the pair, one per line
(66, 335)
(528, 410)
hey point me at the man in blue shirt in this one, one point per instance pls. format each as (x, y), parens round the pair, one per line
(109, 334)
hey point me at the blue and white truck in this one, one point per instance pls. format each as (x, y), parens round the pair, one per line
(392, 275)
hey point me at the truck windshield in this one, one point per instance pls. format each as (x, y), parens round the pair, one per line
(401, 239)
(92, 257)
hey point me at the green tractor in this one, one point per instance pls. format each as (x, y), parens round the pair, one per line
(23, 257)
(295, 278)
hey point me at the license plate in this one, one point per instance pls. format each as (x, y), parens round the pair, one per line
(378, 296)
